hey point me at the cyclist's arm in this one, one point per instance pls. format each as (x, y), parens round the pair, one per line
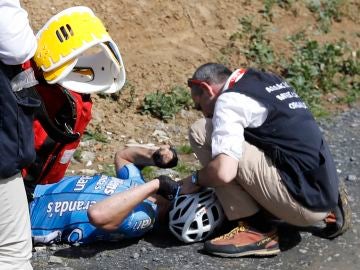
(140, 156)
(109, 213)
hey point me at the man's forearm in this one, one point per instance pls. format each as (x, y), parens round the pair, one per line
(109, 213)
(218, 172)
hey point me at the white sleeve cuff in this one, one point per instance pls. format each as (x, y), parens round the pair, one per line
(228, 146)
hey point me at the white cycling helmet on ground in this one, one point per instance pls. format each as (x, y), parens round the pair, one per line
(194, 217)
(76, 51)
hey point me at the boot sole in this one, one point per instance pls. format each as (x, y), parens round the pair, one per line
(258, 253)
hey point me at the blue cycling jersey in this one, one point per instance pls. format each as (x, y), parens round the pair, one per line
(59, 211)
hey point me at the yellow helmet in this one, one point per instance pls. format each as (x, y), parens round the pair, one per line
(75, 51)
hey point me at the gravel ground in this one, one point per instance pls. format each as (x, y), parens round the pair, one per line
(300, 249)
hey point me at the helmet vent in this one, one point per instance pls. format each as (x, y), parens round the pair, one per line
(194, 225)
(178, 230)
(180, 200)
(205, 194)
(69, 29)
(177, 214)
(205, 220)
(215, 212)
(184, 210)
(199, 215)
(201, 201)
(64, 33)
(192, 236)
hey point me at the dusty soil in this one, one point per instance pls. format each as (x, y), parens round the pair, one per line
(162, 42)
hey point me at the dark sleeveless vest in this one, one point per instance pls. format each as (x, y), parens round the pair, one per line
(292, 139)
(16, 118)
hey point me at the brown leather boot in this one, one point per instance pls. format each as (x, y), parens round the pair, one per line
(244, 241)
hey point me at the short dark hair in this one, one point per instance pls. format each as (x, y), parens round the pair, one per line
(158, 159)
(211, 73)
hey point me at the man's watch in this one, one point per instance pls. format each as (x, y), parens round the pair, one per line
(195, 177)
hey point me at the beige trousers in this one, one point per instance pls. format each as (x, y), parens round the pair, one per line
(257, 184)
(15, 231)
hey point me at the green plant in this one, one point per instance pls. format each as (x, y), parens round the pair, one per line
(184, 149)
(315, 70)
(351, 82)
(148, 173)
(165, 105)
(257, 48)
(269, 4)
(285, 4)
(94, 135)
(326, 11)
(77, 155)
(260, 51)
(184, 169)
(108, 169)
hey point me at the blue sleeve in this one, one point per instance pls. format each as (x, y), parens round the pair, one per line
(131, 172)
(139, 221)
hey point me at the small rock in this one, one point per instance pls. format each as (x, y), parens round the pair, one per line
(132, 141)
(169, 172)
(160, 135)
(55, 260)
(88, 171)
(40, 248)
(351, 178)
(135, 255)
(87, 156)
(88, 163)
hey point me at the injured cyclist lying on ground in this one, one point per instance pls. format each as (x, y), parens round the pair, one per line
(84, 209)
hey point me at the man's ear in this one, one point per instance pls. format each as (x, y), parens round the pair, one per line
(207, 88)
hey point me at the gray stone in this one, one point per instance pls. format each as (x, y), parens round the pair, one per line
(55, 260)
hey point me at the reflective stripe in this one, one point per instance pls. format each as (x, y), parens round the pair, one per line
(24, 79)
